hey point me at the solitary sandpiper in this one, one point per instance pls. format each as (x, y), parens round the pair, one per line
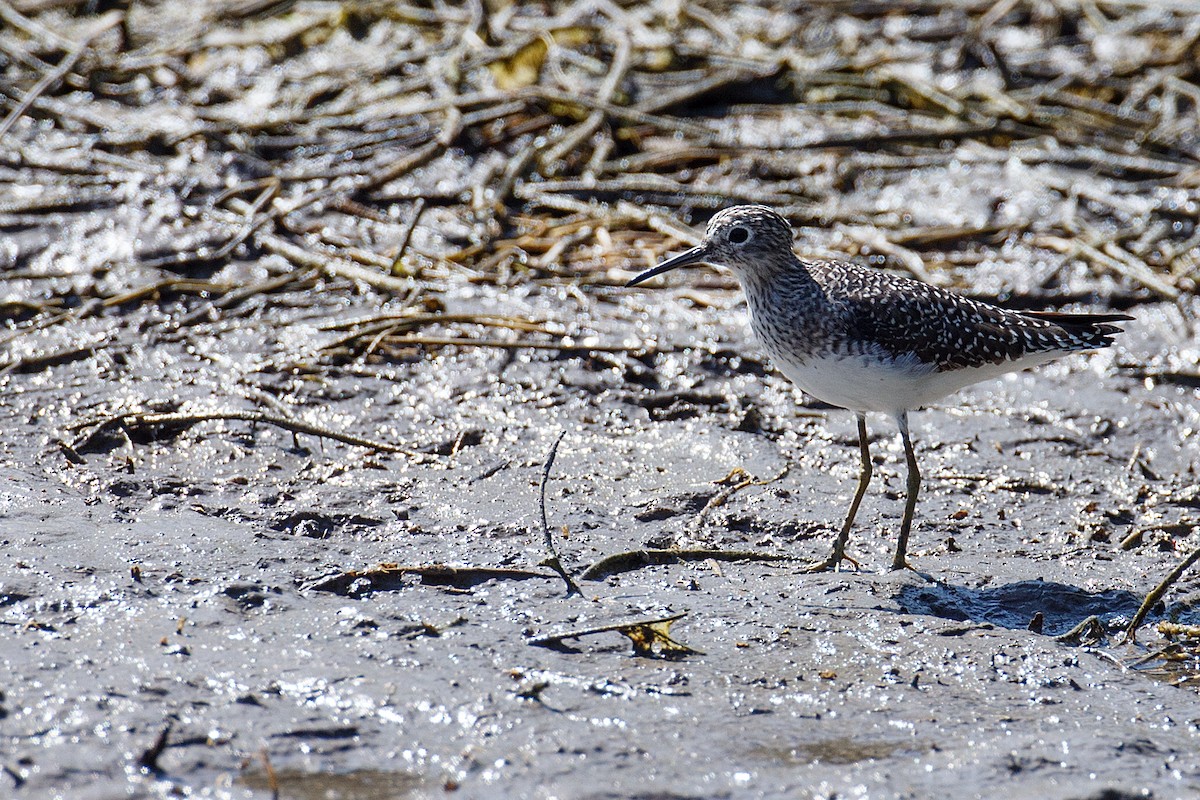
(867, 340)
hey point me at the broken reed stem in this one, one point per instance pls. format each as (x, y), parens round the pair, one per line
(1157, 593)
(336, 267)
(458, 341)
(406, 234)
(148, 760)
(408, 320)
(1139, 273)
(1091, 627)
(51, 78)
(574, 137)
(636, 559)
(643, 633)
(269, 768)
(139, 419)
(552, 560)
(732, 487)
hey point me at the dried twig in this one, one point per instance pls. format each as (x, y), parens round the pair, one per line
(552, 560)
(102, 24)
(385, 577)
(1090, 629)
(1157, 593)
(572, 139)
(519, 344)
(636, 559)
(136, 420)
(1138, 273)
(406, 234)
(148, 760)
(734, 482)
(337, 267)
(644, 634)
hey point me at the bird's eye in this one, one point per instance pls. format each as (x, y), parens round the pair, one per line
(739, 235)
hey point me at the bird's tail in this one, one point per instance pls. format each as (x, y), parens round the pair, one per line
(1090, 330)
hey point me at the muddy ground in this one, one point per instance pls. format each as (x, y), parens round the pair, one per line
(208, 454)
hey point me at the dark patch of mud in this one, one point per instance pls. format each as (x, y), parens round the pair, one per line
(1015, 605)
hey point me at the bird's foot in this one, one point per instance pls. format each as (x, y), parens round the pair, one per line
(831, 564)
(901, 562)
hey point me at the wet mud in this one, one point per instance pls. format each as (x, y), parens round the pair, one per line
(198, 578)
(272, 501)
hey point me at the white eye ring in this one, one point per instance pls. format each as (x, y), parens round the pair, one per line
(739, 235)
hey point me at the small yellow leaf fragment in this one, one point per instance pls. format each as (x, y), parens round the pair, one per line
(522, 68)
(644, 635)
(659, 60)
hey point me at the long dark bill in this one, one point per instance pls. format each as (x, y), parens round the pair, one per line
(693, 256)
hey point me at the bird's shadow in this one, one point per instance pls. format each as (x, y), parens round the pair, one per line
(1015, 605)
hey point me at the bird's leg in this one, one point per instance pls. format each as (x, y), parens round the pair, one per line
(910, 502)
(864, 477)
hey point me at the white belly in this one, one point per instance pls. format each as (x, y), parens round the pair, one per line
(867, 383)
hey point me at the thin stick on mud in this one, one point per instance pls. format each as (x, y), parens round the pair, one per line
(406, 234)
(643, 633)
(269, 768)
(551, 560)
(504, 344)
(1157, 593)
(636, 559)
(387, 577)
(1090, 629)
(186, 420)
(148, 760)
(735, 481)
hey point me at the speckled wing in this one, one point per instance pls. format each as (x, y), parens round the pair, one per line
(953, 332)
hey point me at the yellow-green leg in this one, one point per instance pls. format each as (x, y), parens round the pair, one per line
(864, 477)
(910, 502)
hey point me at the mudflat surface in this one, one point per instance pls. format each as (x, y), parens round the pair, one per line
(270, 502)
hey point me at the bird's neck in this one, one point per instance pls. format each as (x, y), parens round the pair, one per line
(769, 278)
(789, 297)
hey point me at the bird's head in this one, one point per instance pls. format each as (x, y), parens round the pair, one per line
(750, 240)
